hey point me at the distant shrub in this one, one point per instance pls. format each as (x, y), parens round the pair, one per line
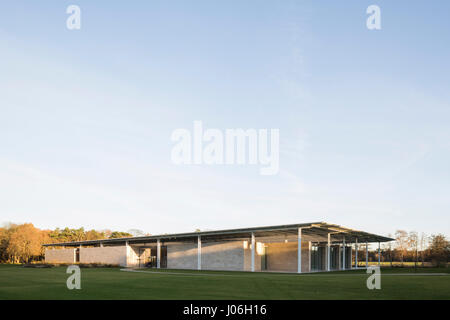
(97, 265)
(81, 265)
(38, 265)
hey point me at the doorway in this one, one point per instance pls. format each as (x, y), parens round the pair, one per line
(148, 257)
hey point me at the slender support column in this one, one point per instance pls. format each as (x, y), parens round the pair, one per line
(379, 254)
(329, 253)
(350, 245)
(339, 266)
(367, 255)
(343, 254)
(199, 253)
(158, 254)
(101, 244)
(310, 247)
(253, 252)
(356, 253)
(127, 259)
(299, 251)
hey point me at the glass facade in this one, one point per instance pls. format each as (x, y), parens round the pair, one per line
(318, 254)
(334, 258)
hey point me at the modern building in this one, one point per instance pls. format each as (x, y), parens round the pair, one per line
(306, 247)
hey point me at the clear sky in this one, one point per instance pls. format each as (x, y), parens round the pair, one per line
(364, 115)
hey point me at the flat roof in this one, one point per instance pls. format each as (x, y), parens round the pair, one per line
(314, 231)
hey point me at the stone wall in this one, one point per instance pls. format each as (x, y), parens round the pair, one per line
(229, 255)
(223, 256)
(60, 255)
(182, 255)
(305, 256)
(105, 255)
(282, 256)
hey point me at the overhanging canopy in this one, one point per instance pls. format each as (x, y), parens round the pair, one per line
(316, 232)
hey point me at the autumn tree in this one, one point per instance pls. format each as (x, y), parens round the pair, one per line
(25, 241)
(4, 241)
(401, 241)
(94, 235)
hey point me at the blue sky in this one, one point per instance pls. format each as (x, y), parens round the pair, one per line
(86, 115)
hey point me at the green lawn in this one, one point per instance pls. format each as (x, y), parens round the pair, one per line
(17, 282)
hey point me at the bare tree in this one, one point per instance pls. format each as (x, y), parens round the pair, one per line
(422, 245)
(390, 249)
(137, 233)
(401, 241)
(413, 243)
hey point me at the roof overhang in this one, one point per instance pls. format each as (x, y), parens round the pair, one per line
(315, 232)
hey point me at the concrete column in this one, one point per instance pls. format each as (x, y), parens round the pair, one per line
(350, 245)
(343, 254)
(379, 254)
(101, 244)
(127, 259)
(356, 253)
(253, 252)
(158, 254)
(329, 253)
(199, 253)
(299, 251)
(367, 255)
(310, 247)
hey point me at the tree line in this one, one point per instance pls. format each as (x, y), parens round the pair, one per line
(22, 243)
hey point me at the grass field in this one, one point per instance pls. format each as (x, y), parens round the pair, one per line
(17, 282)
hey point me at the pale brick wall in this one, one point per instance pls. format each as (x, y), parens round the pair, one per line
(215, 256)
(283, 256)
(105, 255)
(182, 255)
(305, 256)
(223, 256)
(60, 255)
